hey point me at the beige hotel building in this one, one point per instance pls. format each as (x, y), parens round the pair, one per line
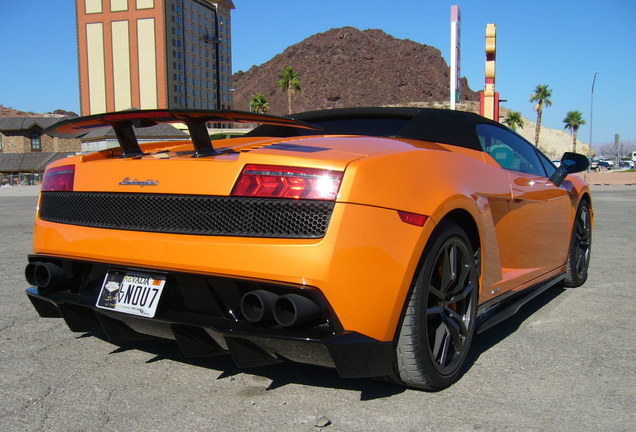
(154, 54)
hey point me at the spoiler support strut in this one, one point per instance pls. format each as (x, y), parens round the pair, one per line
(124, 122)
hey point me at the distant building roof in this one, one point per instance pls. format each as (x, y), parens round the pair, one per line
(26, 123)
(33, 162)
(228, 3)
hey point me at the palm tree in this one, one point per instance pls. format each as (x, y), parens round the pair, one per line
(541, 96)
(259, 104)
(514, 120)
(572, 121)
(289, 81)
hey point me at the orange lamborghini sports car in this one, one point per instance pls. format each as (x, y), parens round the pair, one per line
(376, 241)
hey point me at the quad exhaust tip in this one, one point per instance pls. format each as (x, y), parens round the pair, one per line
(289, 311)
(258, 307)
(293, 310)
(45, 275)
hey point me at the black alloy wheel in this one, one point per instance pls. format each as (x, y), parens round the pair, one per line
(439, 320)
(580, 248)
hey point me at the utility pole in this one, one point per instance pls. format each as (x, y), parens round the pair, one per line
(617, 146)
(592, 111)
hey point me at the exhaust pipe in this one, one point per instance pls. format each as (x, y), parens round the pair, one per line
(293, 310)
(258, 307)
(44, 274)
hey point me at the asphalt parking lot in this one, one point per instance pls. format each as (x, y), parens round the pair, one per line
(566, 362)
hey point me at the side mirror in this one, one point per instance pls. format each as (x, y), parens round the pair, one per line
(570, 163)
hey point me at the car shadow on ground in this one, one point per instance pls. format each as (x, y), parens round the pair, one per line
(283, 374)
(484, 341)
(280, 375)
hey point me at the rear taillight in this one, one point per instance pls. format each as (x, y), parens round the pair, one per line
(268, 181)
(59, 178)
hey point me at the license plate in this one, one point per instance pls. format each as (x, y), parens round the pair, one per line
(131, 292)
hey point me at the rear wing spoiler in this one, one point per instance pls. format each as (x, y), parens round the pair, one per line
(196, 120)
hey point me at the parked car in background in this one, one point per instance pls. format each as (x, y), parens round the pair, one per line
(376, 241)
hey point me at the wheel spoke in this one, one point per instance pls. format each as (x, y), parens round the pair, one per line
(461, 280)
(435, 310)
(583, 220)
(437, 293)
(455, 335)
(463, 295)
(448, 274)
(581, 262)
(442, 344)
(440, 340)
(456, 320)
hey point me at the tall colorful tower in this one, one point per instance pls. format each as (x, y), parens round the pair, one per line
(154, 54)
(489, 98)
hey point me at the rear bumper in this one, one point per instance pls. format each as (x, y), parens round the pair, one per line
(205, 323)
(363, 265)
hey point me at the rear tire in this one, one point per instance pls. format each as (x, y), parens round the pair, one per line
(439, 320)
(580, 248)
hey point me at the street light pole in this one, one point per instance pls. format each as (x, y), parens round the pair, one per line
(592, 110)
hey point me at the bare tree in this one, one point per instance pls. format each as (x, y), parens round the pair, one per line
(611, 150)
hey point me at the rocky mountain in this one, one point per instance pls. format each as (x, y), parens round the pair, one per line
(347, 67)
(10, 112)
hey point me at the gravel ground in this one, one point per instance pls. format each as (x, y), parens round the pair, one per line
(565, 362)
(13, 191)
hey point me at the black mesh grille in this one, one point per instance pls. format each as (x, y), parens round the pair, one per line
(189, 214)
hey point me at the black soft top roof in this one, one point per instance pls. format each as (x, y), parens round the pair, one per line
(424, 124)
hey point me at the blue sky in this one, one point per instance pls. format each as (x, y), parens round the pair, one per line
(561, 43)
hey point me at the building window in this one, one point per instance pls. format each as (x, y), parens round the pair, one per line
(0, 143)
(35, 142)
(93, 6)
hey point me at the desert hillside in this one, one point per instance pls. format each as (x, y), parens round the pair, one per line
(553, 142)
(347, 67)
(6, 112)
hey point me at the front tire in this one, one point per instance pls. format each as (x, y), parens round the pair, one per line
(580, 248)
(439, 320)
